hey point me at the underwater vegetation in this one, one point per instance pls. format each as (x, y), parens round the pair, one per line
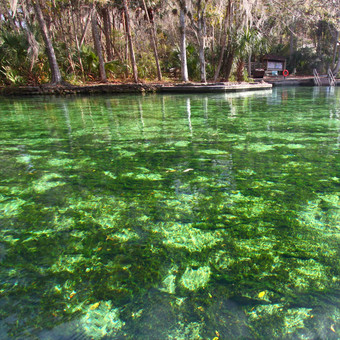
(171, 217)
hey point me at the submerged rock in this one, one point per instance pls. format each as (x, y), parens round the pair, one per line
(189, 331)
(101, 320)
(194, 279)
(179, 235)
(287, 320)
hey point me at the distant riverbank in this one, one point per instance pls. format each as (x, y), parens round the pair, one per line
(189, 87)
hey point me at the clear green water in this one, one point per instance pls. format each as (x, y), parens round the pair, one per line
(171, 217)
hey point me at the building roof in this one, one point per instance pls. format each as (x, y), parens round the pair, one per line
(273, 57)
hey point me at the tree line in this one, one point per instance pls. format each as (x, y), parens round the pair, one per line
(201, 40)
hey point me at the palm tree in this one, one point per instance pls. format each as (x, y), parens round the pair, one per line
(250, 41)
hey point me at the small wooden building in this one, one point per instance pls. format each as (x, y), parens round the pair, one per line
(270, 65)
(273, 63)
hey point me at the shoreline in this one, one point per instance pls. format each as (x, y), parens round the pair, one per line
(131, 88)
(143, 88)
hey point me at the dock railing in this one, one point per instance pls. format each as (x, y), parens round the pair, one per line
(317, 80)
(331, 77)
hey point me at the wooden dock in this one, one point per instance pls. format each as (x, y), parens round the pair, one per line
(297, 81)
(215, 88)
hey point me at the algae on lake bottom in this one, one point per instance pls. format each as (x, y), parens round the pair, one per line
(171, 217)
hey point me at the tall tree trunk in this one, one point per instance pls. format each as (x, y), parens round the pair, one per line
(240, 70)
(319, 34)
(56, 77)
(128, 33)
(115, 49)
(202, 60)
(224, 41)
(107, 32)
(201, 32)
(153, 41)
(126, 45)
(220, 62)
(183, 45)
(249, 65)
(67, 46)
(337, 66)
(33, 50)
(228, 63)
(292, 44)
(98, 46)
(77, 42)
(82, 39)
(337, 35)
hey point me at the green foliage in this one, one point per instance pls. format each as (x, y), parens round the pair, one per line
(16, 66)
(209, 66)
(74, 79)
(310, 57)
(90, 61)
(250, 41)
(14, 47)
(146, 65)
(116, 69)
(193, 62)
(306, 59)
(13, 57)
(173, 61)
(324, 33)
(11, 76)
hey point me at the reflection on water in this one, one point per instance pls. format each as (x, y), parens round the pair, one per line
(171, 216)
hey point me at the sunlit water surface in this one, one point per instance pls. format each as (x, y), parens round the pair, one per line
(171, 216)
